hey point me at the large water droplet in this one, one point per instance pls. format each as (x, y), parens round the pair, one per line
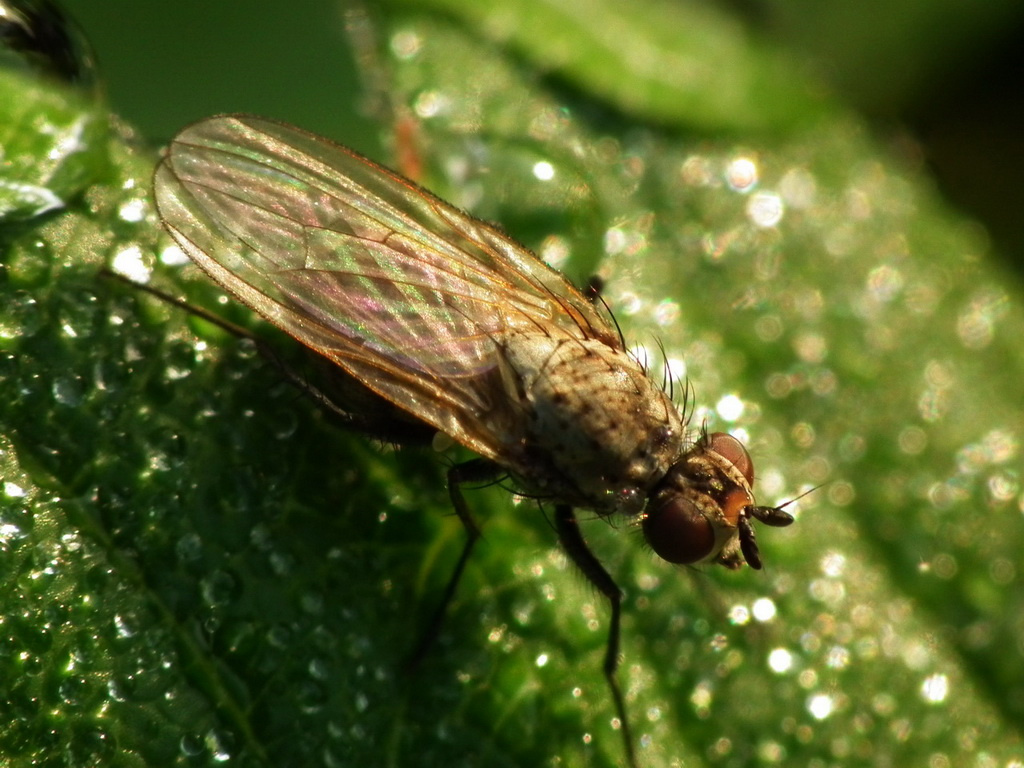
(54, 132)
(37, 36)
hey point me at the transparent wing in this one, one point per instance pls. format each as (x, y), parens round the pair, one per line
(403, 291)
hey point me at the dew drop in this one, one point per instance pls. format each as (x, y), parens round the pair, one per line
(741, 174)
(765, 209)
(220, 588)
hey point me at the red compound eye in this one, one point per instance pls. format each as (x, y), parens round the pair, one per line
(678, 532)
(732, 450)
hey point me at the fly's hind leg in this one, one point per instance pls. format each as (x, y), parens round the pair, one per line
(366, 415)
(575, 546)
(475, 471)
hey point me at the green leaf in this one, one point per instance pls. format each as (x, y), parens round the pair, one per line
(656, 60)
(199, 568)
(49, 136)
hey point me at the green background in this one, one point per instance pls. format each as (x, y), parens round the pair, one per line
(199, 569)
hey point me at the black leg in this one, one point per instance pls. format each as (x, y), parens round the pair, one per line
(478, 470)
(578, 551)
(775, 516)
(748, 542)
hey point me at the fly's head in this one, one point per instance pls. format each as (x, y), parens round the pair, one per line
(702, 510)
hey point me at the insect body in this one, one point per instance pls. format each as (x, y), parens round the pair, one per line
(453, 322)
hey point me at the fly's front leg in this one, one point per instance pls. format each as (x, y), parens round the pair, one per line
(571, 538)
(477, 470)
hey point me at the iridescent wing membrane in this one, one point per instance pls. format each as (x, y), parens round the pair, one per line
(408, 294)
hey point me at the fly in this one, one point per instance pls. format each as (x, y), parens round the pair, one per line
(468, 332)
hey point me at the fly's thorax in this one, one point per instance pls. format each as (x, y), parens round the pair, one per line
(596, 431)
(695, 513)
